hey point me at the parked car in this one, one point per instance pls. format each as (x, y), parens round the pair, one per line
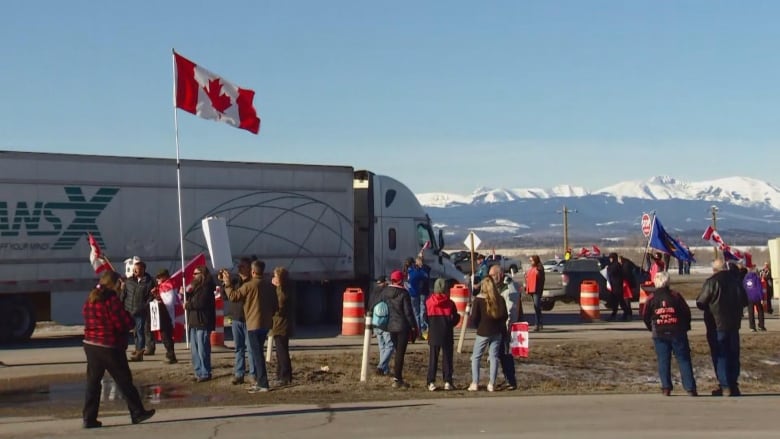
(462, 260)
(507, 264)
(553, 265)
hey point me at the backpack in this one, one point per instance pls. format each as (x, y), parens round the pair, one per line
(752, 284)
(380, 315)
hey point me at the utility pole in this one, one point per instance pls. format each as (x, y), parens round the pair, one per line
(714, 211)
(566, 213)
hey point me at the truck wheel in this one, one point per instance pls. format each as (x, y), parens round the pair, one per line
(18, 319)
(547, 305)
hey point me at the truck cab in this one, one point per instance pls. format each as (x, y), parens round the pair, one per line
(395, 227)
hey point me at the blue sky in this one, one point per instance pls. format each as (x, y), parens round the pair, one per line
(445, 96)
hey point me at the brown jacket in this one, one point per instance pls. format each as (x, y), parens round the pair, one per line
(259, 303)
(282, 315)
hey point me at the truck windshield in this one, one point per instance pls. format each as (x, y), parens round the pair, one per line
(425, 234)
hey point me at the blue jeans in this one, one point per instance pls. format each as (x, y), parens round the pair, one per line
(385, 349)
(727, 359)
(664, 347)
(240, 337)
(418, 308)
(200, 347)
(493, 344)
(256, 343)
(140, 331)
(537, 308)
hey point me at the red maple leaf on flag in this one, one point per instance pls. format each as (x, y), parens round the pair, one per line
(219, 101)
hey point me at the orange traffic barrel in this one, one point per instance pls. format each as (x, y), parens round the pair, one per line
(459, 294)
(589, 301)
(354, 314)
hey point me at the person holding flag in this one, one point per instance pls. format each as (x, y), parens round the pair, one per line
(100, 262)
(166, 313)
(663, 241)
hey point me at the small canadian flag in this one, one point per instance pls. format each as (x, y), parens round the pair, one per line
(519, 341)
(204, 94)
(99, 262)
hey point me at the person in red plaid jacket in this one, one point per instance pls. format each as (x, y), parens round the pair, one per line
(106, 327)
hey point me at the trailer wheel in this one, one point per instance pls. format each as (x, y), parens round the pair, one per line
(18, 319)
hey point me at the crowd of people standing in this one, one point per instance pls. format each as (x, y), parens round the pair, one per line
(405, 310)
(118, 307)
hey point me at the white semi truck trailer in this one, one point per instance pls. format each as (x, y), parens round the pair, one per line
(333, 227)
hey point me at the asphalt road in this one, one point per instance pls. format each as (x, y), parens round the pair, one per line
(586, 417)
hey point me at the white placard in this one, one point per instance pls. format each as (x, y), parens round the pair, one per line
(215, 232)
(154, 316)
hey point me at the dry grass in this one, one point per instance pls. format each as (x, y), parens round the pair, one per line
(578, 367)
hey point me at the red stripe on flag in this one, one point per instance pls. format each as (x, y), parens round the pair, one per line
(246, 111)
(186, 86)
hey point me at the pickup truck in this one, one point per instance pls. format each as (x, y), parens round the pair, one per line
(566, 286)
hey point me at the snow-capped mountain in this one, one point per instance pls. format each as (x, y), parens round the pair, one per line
(741, 191)
(747, 208)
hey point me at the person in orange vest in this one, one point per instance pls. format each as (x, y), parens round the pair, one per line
(534, 285)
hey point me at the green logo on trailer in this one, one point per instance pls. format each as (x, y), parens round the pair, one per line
(39, 218)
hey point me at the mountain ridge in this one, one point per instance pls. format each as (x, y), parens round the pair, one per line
(741, 191)
(748, 211)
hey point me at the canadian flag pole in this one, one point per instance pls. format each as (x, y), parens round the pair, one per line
(178, 195)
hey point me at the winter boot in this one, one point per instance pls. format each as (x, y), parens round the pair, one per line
(170, 358)
(137, 356)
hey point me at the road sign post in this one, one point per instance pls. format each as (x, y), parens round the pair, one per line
(646, 224)
(472, 242)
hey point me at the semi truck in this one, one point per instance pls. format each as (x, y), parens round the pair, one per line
(332, 227)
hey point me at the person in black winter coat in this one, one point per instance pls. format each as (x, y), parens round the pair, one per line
(722, 298)
(615, 278)
(442, 316)
(401, 322)
(667, 315)
(136, 295)
(201, 318)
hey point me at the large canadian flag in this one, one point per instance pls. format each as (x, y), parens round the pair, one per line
(204, 94)
(174, 283)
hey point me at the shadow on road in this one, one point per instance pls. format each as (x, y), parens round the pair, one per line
(322, 409)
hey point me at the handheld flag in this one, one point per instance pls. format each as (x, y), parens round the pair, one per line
(519, 341)
(175, 281)
(204, 94)
(99, 262)
(660, 240)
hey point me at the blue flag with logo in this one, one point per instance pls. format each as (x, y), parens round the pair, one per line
(660, 240)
